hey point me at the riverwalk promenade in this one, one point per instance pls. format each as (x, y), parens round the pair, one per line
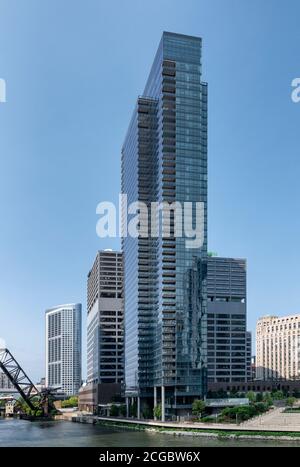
(276, 420)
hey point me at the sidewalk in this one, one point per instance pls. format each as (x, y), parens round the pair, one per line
(276, 420)
(272, 421)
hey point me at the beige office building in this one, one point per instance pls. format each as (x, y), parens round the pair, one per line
(278, 348)
(105, 332)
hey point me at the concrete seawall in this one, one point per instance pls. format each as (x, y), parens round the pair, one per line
(259, 429)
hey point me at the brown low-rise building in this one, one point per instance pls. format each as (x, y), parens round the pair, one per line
(92, 396)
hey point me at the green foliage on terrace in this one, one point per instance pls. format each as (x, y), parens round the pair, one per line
(244, 412)
(70, 403)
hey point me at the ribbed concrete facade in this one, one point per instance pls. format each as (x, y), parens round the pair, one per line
(105, 334)
(278, 348)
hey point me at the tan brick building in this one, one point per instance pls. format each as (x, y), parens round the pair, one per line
(278, 348)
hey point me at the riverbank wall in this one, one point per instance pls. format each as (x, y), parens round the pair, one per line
(220, 431)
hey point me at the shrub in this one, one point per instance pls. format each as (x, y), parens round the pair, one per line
(123, 410)
(114, 411)
(251, 396)
(243, 412)
(290, 401)
(157, 411)
(261, 407)
(278, 395)
(147, 413)
(226, 412)
(268, 399)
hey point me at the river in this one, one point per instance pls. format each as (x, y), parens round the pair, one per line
(24, 433)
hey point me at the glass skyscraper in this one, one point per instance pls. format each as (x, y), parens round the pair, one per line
(164, 159)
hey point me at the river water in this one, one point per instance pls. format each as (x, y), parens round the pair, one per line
(24, 433)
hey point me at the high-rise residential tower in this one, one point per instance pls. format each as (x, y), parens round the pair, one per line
(228, 342)
(63, 348)
(164, 159)
(5, 382)
(105, 331)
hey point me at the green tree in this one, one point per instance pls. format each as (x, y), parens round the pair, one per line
(70, 403)
(290, 401)
(226, 413)
(220, 394)
(251, 396)
(243, 412)
(114, 410)
(278, 396)
(157, 411)
(123, 410)
(259, 397)
(268, 399)
(198, 407)
(147, 413)
(261, 407)
(133, 410)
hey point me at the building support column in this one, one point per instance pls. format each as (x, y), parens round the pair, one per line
(138, 407)
(155, 400)
(127, 407)
(163, 413)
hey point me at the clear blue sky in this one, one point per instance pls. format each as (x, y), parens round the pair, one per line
(73, 70)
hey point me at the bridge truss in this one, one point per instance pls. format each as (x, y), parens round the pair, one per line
(18, 377)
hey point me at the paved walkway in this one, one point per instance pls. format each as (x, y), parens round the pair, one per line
(275, 420)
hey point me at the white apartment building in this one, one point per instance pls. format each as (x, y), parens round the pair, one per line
(5, 382)
(63, 348)
(278, 348)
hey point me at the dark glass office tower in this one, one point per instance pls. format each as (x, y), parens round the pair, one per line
(228, 342)
(164, 159)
